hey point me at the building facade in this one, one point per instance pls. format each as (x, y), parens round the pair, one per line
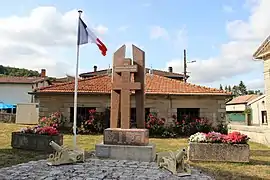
(14, 90)
(166, 97)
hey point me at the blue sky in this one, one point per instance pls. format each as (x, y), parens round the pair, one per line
(201, 28)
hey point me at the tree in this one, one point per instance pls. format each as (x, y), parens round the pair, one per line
(12, 71)
(258, 92)
(251, 92)
(226, 88)
(242, 88)
(220, 87)
(236, 91)
(229, 89)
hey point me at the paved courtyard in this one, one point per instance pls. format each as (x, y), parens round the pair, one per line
(93, 169)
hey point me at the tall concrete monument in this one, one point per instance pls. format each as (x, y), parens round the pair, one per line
(121, 142)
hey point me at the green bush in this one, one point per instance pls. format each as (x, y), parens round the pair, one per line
(186, 125)
(93, 125)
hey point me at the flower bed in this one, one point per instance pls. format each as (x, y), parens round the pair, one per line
(214, 146)
(181, 127)
(94, 124)
(36, 138)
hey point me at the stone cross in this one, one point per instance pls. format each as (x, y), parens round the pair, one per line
(122, 86)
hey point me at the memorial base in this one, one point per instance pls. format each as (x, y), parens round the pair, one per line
(118, 136)
(127, 152)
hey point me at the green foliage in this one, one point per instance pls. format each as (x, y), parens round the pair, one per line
(56, 120)
(12, 71)
(184, 127)
(248, 110)
(222, 128)
(255, 92)
(220, 87)
(240, 90)
(93, 125)
(157, 127)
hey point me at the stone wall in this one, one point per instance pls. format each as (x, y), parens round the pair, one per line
(211, 107)
(219, 152)
(7, 117)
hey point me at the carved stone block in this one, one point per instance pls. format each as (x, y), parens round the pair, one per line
(218, 152)
(117, 136)
(127, 152)
(34, 142)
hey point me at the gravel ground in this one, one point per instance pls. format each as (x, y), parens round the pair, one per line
(93, 169)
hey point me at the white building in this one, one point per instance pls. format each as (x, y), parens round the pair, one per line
(14, 90)
(237, 107)
(258, 111)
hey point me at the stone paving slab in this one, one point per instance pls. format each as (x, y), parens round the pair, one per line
(93, 169)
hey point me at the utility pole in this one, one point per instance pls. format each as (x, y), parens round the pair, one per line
(185, 66)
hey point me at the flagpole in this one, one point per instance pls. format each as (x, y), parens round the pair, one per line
(76, 87)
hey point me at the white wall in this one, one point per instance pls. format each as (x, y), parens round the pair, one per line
(257, 108)
(266, 72)
(256, 134)
(15, 93)
(236, 107)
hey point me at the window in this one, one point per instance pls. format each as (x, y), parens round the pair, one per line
(133, 114)
(264, 117)
(82, 114)
(192, 112)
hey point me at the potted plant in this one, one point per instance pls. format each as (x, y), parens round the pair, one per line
(37, 138)
(213, 146)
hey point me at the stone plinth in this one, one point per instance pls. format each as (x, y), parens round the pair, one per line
(218, 152)
(35, 142)
(124, 152)
(118, 136)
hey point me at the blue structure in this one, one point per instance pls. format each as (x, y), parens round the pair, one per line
(6, 106)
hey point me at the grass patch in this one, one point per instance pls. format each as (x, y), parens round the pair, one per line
(258, 168)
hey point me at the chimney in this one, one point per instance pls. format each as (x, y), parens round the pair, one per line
(170, 69)
(43, 73)
(95, 68)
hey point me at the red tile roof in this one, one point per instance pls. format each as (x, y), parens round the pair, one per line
(154, 85)
(243, 99)
(20, 80)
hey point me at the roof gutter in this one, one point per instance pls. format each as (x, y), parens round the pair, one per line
(169, 94)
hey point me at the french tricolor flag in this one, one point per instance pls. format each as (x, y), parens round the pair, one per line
(85, 35)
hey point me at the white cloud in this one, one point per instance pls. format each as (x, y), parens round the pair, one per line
(101, 29)
(235, 57)
(35, 41)
(255, 84)
(129, 48)
(227, 9)
(157, 32)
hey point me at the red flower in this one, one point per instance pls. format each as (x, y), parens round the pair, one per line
(236, 137)
(89, 122)
(48, 130)
(92, 111)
